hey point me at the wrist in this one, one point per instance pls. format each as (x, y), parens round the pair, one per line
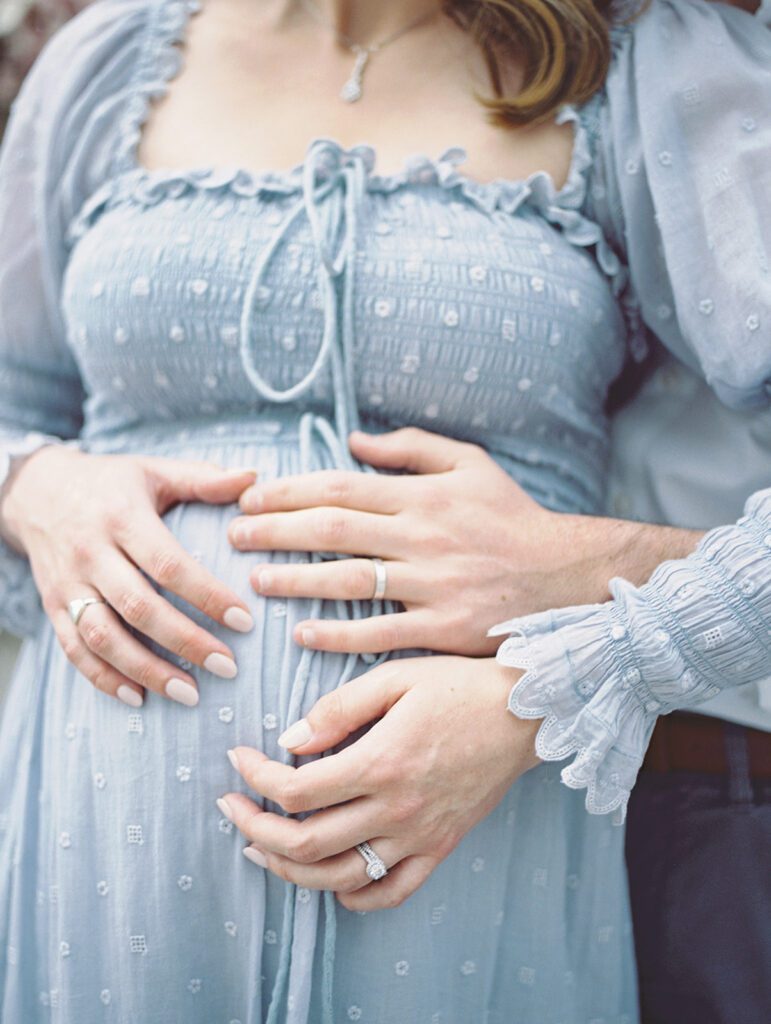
(13, 513)
(634, 550)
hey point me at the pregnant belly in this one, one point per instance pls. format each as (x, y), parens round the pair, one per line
(278, 681)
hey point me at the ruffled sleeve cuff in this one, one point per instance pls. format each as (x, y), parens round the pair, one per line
(20, 609)
(599, 675)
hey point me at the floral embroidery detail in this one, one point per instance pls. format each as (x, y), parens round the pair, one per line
(185, 883)
(65, 840)
(231, 928)
(194, 985)
(402, 968)
(138, 944)
(102, 888)
(225, 714)
(134, 835)
(184, 772)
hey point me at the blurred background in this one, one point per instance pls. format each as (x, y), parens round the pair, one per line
(25, 25)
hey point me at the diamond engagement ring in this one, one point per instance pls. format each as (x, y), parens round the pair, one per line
(79, 605)
(381, 579)
(375, 866)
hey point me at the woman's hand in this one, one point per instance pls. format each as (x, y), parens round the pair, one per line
(442, 755)
(464, 546)
(89, 524)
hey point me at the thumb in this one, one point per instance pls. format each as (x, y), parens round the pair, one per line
(410, 448)
(338, 713)
(178, 480)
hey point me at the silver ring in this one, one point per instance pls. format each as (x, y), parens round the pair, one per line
(79, 605)
(375, 866)
(381, 579)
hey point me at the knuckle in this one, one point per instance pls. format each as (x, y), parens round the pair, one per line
(134, 608)
(97, 637)
(304, 849)
(117, 520)
(71, 647)
(281, 867)
(361, 579)
(337, 486)
(146, 675)
(187, 645)
(330, 707)
(100, 679)
(291, 797)
(82, 552)
(167, 568)
(209, 600)
(333, 527)
(390, 634)
(406, 808)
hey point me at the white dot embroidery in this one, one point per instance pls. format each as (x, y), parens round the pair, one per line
(443, 231)
(140, 287)
(70, 730)
(631, 167)
(225, 715)
(229, 335)
(177, 333)
(185, 883)
(665, 158)
(509, 330)
(468, 967)
(138, 944)
(526, 975)
(269, 721)
(121, 336)
(231, 928)
(706, 307)
(354, 1013)
(105, 996)
(478, 273)
(410, 364)
(194, 985)
(540, 877)
(712, 638)
(225, 826)
(270, 937)
(303, 895)
(65, 840)
(97, 289)
(471, 376)
(64, 949)
(184, 772)
(749, 124)
(537, 284)
(200, 286)
(382, 308)
(451, 318)
(161, 380)
(279, 610)
(382, 228)
(134, 835)
(118, 383)
(210, 381)
(524, 384)
(402, 968)
(289, 342)
(432, 411)
(102, 888)
(753, 322)
(478, 864)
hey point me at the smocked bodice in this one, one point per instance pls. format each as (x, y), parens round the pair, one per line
(422, 298)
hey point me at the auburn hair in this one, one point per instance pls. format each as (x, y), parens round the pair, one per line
(562, 46)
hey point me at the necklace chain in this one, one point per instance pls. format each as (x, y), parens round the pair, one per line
(352, 89)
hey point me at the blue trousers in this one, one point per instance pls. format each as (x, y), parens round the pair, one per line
(699, 858)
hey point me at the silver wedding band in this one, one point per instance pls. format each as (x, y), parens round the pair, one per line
(79, 605)
(381, 579)
(375, 865)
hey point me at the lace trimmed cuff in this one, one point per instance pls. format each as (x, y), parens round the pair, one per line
(599, 675)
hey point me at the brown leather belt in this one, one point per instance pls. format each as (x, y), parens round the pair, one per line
(684, 742)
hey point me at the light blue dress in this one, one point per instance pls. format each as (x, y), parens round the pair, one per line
(253, 319)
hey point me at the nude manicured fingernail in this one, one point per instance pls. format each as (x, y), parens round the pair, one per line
(238, 619)
(233, 759)
(255, 856)
(224, 806)
(264, 580)
(296, 734)
(129, 696)
(182, 692)
(253, 500)
(220, 665)
(308, 637)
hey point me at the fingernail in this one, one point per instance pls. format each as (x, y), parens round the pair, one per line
(224, 806)
(182, 691)
(264, 580)
(220, 665)
(239, 471)
(129, 696)
(238, 533)
(238, 619)
(308, 636)
(255, 856)
(296, 734)
(253, 500)
(233, 759)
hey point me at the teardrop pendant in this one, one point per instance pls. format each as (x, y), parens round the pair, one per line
(352, 90)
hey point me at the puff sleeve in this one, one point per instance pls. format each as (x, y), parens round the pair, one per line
(683, 186)
(56, 149)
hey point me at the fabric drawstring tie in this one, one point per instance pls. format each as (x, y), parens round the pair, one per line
(331, 204)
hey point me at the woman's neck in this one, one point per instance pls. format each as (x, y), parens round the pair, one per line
(367, 22)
